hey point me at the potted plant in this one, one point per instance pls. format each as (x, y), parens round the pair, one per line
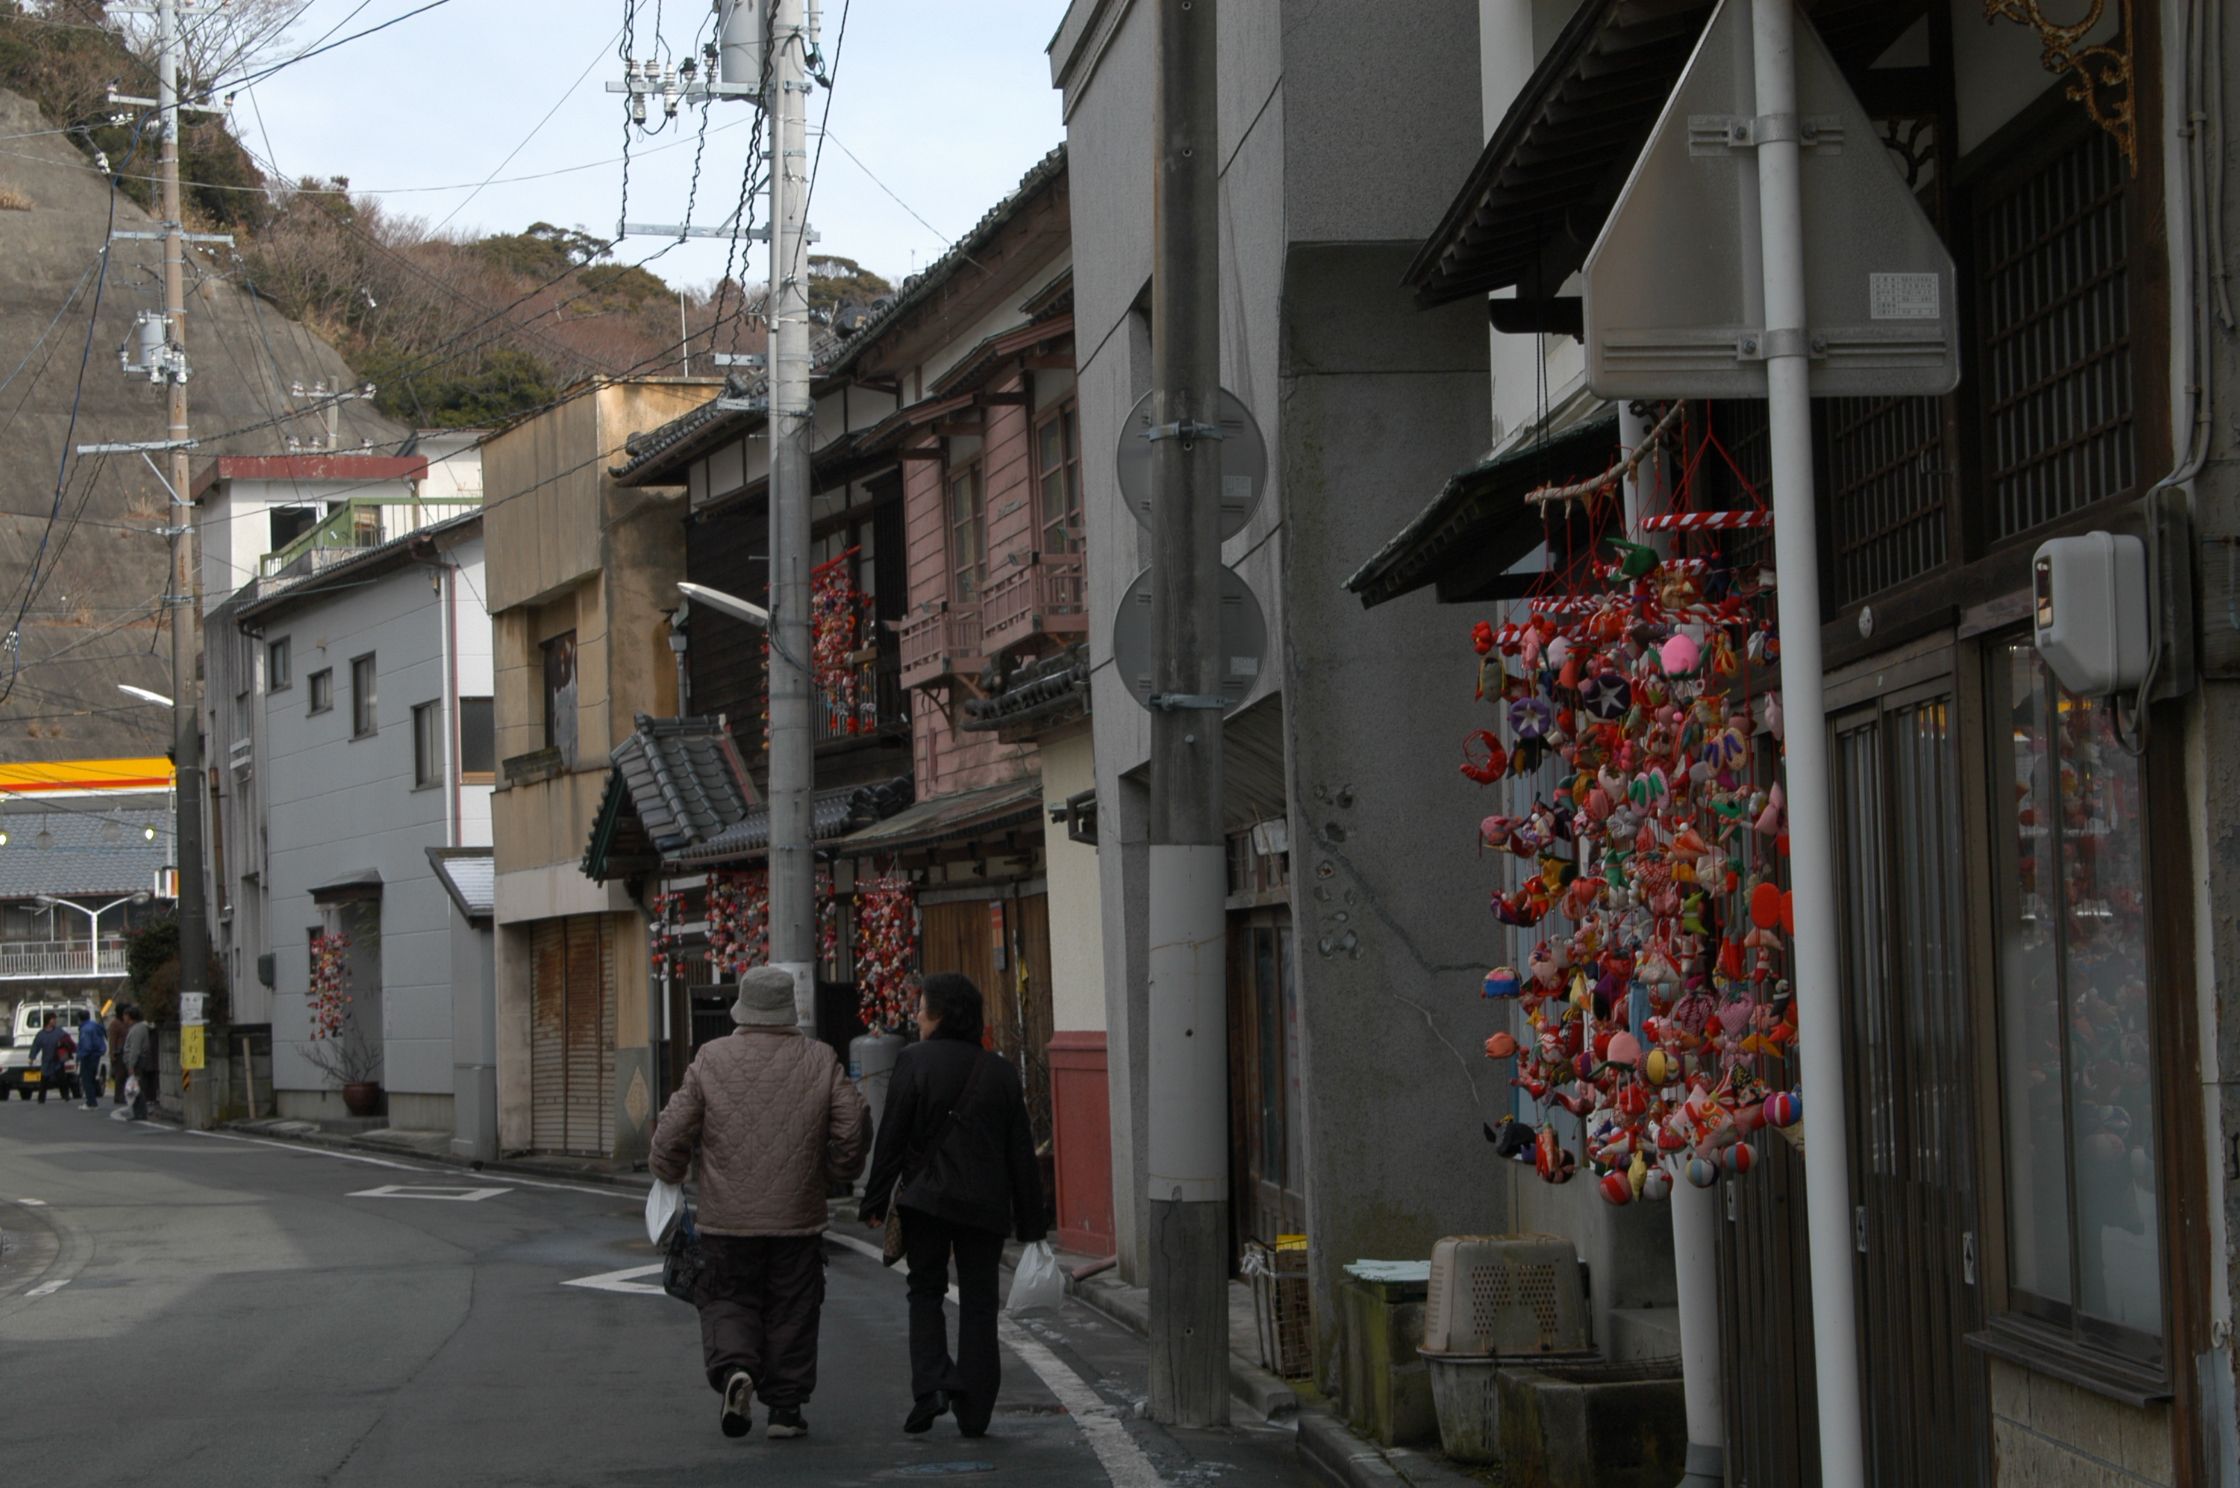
(338, 1047)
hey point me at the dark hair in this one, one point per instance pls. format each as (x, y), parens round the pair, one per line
(955, 1002)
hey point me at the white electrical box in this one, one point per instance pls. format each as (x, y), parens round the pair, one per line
(2089, 605)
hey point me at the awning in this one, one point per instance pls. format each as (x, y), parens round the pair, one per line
(1545, 183)
(363, 884)
(960, 818)
(1479, 526)
(470, 876)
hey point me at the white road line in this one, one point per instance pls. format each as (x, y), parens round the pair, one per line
(430, 1191)
(308, 1151)
(1124, 1462)
(48, 1288)
(33, 1203)
(621, 1281)
(577, 1188)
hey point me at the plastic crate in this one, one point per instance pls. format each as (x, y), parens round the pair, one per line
(1465, 1393)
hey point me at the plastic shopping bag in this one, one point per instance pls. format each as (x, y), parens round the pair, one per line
(132, 1087)
(663, 1204)
(1037, 1285)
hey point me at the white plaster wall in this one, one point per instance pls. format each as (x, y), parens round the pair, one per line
(1069, 766)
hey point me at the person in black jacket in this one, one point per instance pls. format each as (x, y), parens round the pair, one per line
(955, 1154)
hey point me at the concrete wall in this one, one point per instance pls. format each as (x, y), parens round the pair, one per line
(1076, 920)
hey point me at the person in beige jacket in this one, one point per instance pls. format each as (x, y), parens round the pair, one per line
(774, 1119)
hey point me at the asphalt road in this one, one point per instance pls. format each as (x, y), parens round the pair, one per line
(195, 1309)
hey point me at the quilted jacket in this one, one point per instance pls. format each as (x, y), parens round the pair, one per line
(774, 1118)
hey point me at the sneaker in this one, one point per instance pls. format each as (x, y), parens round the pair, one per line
(929, 1409)
(785, 1422)
(738, 1404)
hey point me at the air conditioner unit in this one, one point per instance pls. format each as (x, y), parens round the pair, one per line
(1507, 1295)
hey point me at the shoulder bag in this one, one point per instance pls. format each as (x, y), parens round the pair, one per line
(892, 1242)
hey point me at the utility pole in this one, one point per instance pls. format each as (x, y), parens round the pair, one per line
(1188, 993)
(186, 689)
(793, 907)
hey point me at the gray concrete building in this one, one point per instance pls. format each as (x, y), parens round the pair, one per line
(1358, 1085)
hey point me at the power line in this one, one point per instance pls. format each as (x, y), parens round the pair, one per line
(567, 93)
(235, 84)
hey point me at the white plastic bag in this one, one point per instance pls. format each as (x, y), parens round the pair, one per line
(1037, 1285)
(664, 1202)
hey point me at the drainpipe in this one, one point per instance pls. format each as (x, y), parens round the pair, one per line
(1695, 1211)
(447, 589)
(1780, 156)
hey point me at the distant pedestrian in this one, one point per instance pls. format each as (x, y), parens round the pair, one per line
(116, 1031)
(50, 1050)
(140, 1060)
(774, 1118)
(93, 1043)
(956, 1158)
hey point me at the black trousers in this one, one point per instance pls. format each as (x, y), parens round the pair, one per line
(760, 1300)
(974, 1375)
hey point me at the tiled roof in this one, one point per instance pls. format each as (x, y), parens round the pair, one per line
(962, 816)
(82, 851)
(833, 813)
(1045, 693)
(675, 782)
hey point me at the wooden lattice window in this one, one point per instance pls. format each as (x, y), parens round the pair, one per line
(1887, 493)
(2059, 430)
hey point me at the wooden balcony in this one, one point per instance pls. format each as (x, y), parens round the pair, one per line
(1047, 595)
(941, 645)
(875, 707)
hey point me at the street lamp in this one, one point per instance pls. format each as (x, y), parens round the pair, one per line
(729, 604)
(144, 695)
(93, 916)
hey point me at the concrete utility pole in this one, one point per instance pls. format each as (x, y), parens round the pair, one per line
(186, 688)
(1189, 1166)
(793, 882)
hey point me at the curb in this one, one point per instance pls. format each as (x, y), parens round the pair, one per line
(1335, 1455)
(529, 1167)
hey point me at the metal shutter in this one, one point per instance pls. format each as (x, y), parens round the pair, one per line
(548, 1001)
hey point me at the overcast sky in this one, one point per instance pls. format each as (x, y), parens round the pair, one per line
(947, 102)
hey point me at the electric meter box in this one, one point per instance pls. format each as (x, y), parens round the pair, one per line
(2089, 605)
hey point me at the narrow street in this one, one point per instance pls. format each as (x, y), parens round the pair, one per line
(266, 1313)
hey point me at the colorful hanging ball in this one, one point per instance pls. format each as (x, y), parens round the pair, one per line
(1662, 1067)
(1702, 1172)
(1738, 1159)
(1503, 981)
(1784, 1108)
(1765, 906)
(1623, 1049)
(1501, 1046)
(1679, 655)
(1617, 1188)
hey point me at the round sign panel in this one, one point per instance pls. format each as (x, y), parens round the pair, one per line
(1243, 639)
(1244, 462)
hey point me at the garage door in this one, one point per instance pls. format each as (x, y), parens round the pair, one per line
(571, 1037)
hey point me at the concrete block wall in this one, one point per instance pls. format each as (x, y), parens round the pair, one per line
(2046, 1433)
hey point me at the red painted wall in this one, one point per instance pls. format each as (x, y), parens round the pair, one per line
(1081, 1123)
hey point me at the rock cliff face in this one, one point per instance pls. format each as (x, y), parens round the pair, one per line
(95, 619)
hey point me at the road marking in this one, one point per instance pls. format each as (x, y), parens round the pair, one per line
(1124, 1462)
(33, 1203)
(597, 1193)
(437, 1192)
(309, 1151)
(48, 1288)
(621, 1281)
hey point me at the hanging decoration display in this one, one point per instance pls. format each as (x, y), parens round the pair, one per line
(664, 941)
(887, 950)
(1636, 729)
(839, 615)
(330, 984)
(738, 920)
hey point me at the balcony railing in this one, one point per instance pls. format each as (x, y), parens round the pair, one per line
(941, 644)
(1046, 595)
(26, 959)
(876, 704)
(359, 523)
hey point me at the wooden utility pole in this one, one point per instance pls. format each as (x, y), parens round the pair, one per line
(1188, 994)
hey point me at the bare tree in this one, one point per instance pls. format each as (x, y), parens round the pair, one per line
(220, 40)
